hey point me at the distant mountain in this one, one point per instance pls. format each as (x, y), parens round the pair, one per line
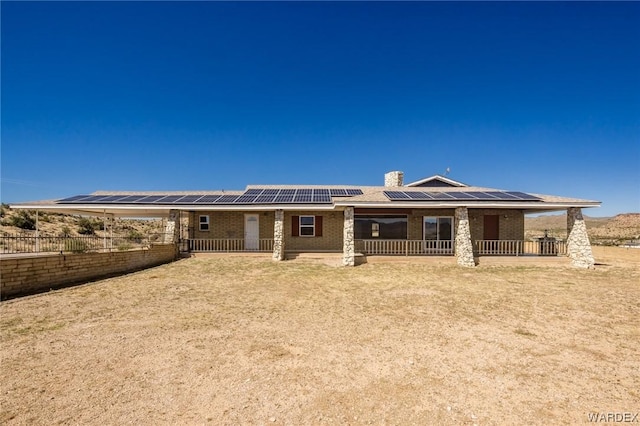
(602, 230)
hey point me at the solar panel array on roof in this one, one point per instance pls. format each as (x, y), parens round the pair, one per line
(251, 196)
(459, 196)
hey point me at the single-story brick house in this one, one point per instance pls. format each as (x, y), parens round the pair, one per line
(432, 216)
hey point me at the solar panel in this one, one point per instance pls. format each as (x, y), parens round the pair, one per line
(112, 198)
(287, 192)
(130, 198)
(270, 192)
(460, 195)
(73, 199)
(523, 195)
(503, 196)
(321, 198)
(284, 198)
(338, 192)
(187, 199)
(85, 199)
(418, 195)
(479, 195)
(97, 198)
(303, 195)
(253, 191)
(396, 195)
(169, 199)
(226, 199)
(302, 198)
(245, 199)
(265, 199)
(354, 192)
(208, 199)
(149, 199)
(440, 196)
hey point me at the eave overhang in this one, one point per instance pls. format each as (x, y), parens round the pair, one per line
(537, 206)
(163, 210)
(128, 210)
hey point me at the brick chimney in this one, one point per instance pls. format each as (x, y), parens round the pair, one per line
(393, 179)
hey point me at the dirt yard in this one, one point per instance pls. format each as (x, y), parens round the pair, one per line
(232, 340)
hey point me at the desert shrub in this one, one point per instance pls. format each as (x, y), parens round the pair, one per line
(87, 226)
(4, 208)
(23, 220)
(75, 246)
(135, 236)
(65, 232)
(124, 246)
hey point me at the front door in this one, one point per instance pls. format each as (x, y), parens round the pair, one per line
(491, 231)
(251, 231)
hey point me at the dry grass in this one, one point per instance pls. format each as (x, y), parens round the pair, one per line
(245, 340)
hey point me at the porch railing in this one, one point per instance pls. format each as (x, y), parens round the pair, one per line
(404, 247)
(30, 243)
(481, 247)
(518, 248)
(227, 245)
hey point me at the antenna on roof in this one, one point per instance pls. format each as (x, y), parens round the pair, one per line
(446, 172)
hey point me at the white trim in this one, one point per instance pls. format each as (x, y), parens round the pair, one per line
(541, 205)
(300, 225)
(436, 177)
(206, 222)
(453, 228)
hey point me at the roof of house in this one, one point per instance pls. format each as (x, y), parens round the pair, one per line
(432, 192)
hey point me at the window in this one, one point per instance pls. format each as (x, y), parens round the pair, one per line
(307, 226)
(204, 222)
(388, 227)
(438, 234)
(438, 228)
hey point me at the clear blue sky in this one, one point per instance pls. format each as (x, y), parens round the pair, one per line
(538, 97)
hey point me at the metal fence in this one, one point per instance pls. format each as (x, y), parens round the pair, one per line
(31, 243)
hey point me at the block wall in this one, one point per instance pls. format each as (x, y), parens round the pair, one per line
(26, 275)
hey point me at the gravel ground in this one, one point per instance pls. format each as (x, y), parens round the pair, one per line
(232, 340)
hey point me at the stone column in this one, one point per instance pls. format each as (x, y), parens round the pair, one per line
(172, 228)
(578, 245)
(348, 241)
(464, 247)
(278, 236)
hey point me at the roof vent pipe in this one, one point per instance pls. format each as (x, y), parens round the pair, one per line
(393, 179)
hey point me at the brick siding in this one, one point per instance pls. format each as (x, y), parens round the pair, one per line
(229, 224)
(332, 232)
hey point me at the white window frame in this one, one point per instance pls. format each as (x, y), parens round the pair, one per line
(313, 227)
(438, 227)
(206, 222)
